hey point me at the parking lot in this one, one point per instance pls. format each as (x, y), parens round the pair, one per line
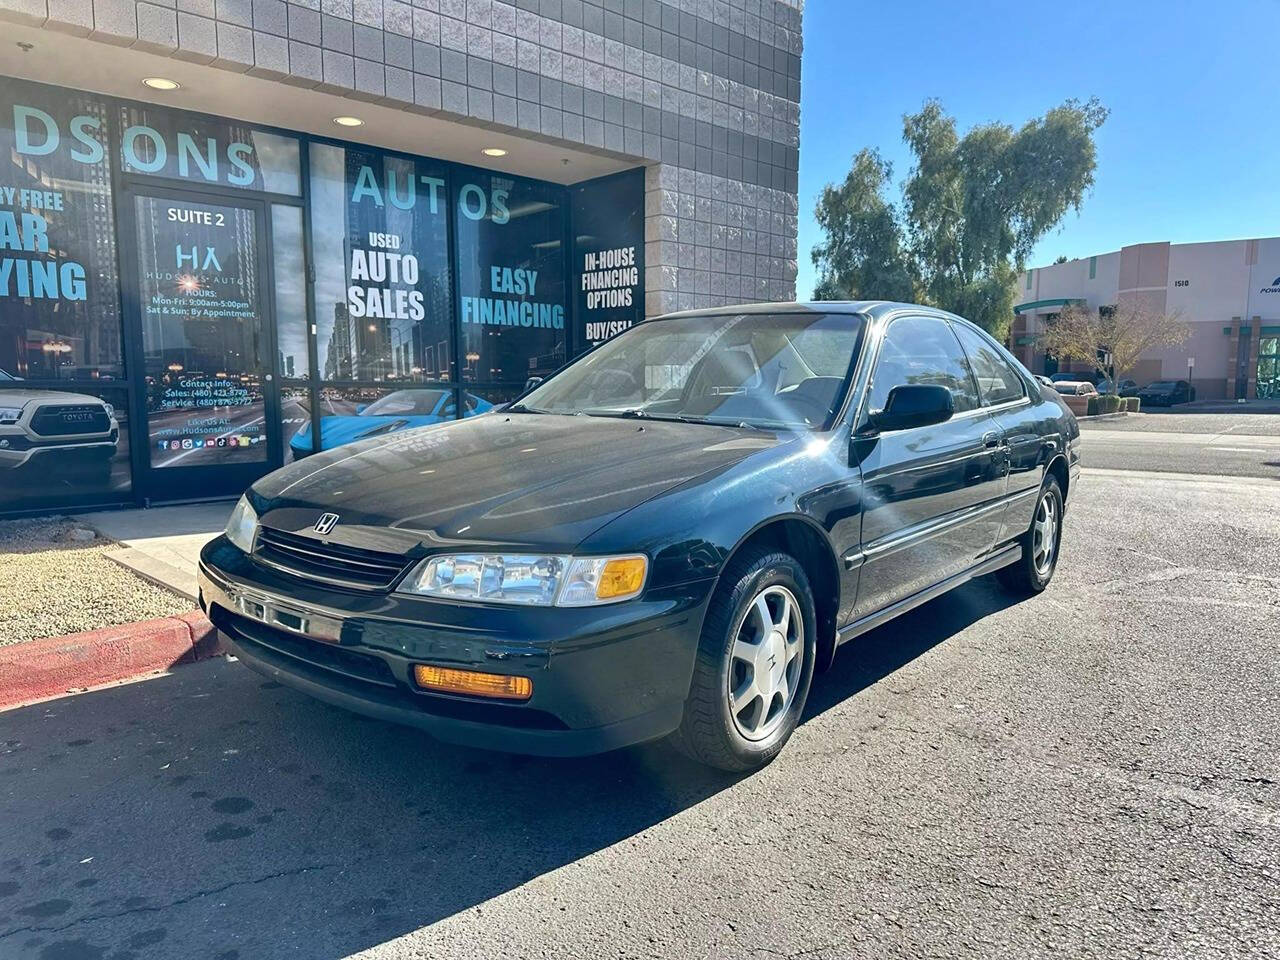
(1092, 772)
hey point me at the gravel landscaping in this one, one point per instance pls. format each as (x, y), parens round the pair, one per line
(55, 579)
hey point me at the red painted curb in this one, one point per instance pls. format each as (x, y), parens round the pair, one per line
(39, 669)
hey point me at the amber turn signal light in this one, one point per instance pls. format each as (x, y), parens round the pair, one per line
(472, 683)
(621, 577)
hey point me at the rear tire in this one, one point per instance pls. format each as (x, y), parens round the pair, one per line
(1041, 543)
(754, 663)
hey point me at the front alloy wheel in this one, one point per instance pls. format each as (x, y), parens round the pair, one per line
(754, 664)
(764, 665)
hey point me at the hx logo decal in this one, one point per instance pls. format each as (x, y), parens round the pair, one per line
(326, 523)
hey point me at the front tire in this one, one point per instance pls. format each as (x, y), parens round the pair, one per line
(1041, 543)
(754, 664)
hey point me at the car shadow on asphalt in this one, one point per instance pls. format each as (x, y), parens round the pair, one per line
(221, 812)
(867, 659)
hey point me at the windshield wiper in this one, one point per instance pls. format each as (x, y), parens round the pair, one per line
(521, 408)
(640, 413)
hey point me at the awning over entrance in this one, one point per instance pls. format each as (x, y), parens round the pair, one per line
(1034, 305)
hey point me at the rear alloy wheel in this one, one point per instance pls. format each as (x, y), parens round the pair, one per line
(1034, 569)
(754, 664)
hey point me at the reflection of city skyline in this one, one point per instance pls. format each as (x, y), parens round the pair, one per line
(64, 338)
(376, 348)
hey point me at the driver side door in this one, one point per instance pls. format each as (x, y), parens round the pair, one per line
(928, 492)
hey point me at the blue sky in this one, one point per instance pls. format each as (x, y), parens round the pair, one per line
(1191, 150)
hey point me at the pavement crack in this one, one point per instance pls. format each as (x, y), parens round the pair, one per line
(180, 901)
(1204, 778)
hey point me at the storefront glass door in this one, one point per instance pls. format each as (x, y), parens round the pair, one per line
(202, 311)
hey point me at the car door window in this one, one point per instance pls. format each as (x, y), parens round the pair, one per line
(998, 382)
(922, 350)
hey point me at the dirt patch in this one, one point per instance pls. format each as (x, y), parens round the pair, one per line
(55, 579)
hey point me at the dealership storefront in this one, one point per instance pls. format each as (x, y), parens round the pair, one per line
(242, 296)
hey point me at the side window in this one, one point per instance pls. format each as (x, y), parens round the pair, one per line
(922, 350)
(997, 381)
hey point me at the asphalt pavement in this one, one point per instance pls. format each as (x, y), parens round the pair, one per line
(1231, 444)
(1093, 772)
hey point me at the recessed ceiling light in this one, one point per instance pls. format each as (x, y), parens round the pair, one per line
(348, 121)
(494, 152)
(160, 83)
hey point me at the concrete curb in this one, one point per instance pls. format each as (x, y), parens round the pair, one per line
(39, 669)
(1117, 415)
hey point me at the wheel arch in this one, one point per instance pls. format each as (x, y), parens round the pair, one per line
(805, 540)
(1057, 467)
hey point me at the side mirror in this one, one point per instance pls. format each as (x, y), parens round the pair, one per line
(361, 408)
(913, 405)
(531, 383)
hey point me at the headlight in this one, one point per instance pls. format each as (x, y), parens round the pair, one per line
(243, 526)
(10, 414)
(534, 579)
(111, 411)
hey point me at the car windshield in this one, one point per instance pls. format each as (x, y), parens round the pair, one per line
(411, 403)
(775, 371)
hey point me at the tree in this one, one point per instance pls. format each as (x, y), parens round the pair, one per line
(863, 237)
(972, 210)
(1124, 332)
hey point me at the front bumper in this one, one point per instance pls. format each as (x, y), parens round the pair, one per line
(603, 677)
(78, 453)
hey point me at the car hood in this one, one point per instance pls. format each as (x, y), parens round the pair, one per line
(11, 395)
(503, 480)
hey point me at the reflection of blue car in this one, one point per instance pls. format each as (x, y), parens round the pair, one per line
(396, 411)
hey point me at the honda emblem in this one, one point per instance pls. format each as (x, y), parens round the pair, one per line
(324, 526)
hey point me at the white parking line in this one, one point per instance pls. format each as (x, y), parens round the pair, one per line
(1238, 449)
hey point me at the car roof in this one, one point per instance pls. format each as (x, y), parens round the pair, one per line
(873, 309)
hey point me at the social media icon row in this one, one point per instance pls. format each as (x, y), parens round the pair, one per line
(195, 443)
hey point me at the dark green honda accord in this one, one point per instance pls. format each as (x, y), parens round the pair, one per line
(668, 537)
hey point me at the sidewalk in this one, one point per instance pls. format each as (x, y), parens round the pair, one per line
(162, 544)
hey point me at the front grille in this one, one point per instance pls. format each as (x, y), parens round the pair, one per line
(63, 420)
(311, 559)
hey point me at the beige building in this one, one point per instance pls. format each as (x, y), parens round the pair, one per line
(1228, 291)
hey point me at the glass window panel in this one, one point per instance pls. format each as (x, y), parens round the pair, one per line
(59, 285)
(182, 146)
(997, 380)
(201, 290)
(511, 273)
(295, 419)
(922, 350)
(774, 370)
(69, 446)
(289, 265)
(380, 240)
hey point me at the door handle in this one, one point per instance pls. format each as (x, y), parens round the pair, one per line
(991, 439)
